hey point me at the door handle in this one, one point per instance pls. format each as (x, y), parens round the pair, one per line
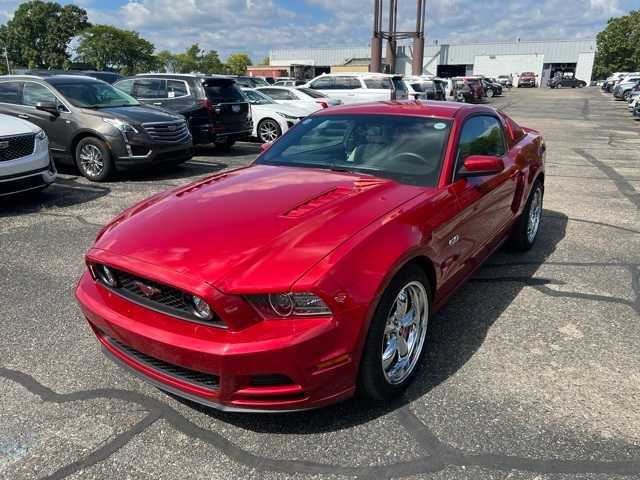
(22, 115)
(157, 103)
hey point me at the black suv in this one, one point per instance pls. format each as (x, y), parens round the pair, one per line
(96, 126)
(215, 108)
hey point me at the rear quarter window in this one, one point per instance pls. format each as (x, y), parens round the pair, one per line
(223, 91)
(378, 83)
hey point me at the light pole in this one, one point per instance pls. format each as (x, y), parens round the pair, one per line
(6, 58)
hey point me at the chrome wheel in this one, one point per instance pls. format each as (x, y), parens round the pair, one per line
(404, 333)
(91, 160)
(489, 93)
(535, 213)
(268, 131)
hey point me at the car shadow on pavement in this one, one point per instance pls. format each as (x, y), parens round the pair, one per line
(64, 192)
(455, 334)
(189, 169)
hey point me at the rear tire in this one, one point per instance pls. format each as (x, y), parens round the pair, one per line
(395, 342)
(525, 231)
(93, 159)
(269, 130)
(226, 144)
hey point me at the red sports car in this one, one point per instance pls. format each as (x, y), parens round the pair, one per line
(312, 273)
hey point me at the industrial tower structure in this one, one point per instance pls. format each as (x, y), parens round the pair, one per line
(392, 36)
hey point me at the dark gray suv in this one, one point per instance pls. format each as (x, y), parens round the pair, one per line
(95, 126)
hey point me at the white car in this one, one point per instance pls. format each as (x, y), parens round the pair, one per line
(303, 98)
(271, 119)
(360, 87)
(25, 164)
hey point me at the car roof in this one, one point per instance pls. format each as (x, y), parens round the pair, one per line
(406, 107)
(53, 79)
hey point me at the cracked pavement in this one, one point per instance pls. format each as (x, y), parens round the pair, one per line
(532, 370)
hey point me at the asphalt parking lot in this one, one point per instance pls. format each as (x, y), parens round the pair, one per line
(532, 370)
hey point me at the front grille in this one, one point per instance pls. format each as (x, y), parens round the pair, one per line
(169, 132)
(21, 185)
(16, 147)
(200, 379)
(163, 298)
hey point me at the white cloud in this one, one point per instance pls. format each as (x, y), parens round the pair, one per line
(255, 26)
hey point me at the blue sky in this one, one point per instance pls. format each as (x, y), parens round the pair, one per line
(255, 26)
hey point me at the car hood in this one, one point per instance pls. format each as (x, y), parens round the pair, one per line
(136, 114)
(254, 229)
(15, 126)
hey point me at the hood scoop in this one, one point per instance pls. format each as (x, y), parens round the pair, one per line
(333, 195)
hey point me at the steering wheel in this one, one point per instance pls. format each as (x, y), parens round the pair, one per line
(414, 159)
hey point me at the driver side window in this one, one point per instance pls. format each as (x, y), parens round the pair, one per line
(32, 93)
(481, 135)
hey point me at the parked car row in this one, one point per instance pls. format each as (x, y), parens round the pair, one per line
(625, 86)
(155, 119)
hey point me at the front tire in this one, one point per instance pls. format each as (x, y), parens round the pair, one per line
(526, 229)
(93, 159)
(396, 337)
(490, 93)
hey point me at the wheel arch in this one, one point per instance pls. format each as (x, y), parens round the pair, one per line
(85, 134)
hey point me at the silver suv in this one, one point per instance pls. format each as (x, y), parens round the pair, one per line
(24, 157)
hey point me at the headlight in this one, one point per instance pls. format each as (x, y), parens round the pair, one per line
(41, 136)
(121, 125)
(285, 305)
(105, 275)
(287, 117)
(201, 308)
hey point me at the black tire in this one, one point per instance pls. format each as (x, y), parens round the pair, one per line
(103, 167)
(372, 380)
(226, 144)
(521, 239)
(263, 132)
(490, 93)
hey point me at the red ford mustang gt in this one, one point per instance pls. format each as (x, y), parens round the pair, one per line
(312, 273)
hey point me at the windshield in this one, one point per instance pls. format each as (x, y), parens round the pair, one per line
(312, 93)
(94, 95)
(403, 148)
(257, 98)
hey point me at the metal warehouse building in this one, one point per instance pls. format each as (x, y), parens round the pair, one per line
(490, 59)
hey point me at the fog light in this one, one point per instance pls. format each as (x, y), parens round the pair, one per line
(201, 308)
(106, 275)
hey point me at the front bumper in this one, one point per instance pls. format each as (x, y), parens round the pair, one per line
(271, 365)
(33, 172)
(138, 154)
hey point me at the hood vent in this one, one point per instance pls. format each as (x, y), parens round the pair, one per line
(333, 195)
(198, 186)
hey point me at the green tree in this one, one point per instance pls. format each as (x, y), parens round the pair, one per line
(195, 59)
(619, 45)
(188, 61)
(211, 63)
(39, 33)
(109, 47)
(166, 61)
(237, 63)
(265, 61)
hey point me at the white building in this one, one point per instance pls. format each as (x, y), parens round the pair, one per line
(491, 59)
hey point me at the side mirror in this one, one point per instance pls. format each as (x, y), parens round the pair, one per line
(48, 107)
(265, 146)
(481, 165)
